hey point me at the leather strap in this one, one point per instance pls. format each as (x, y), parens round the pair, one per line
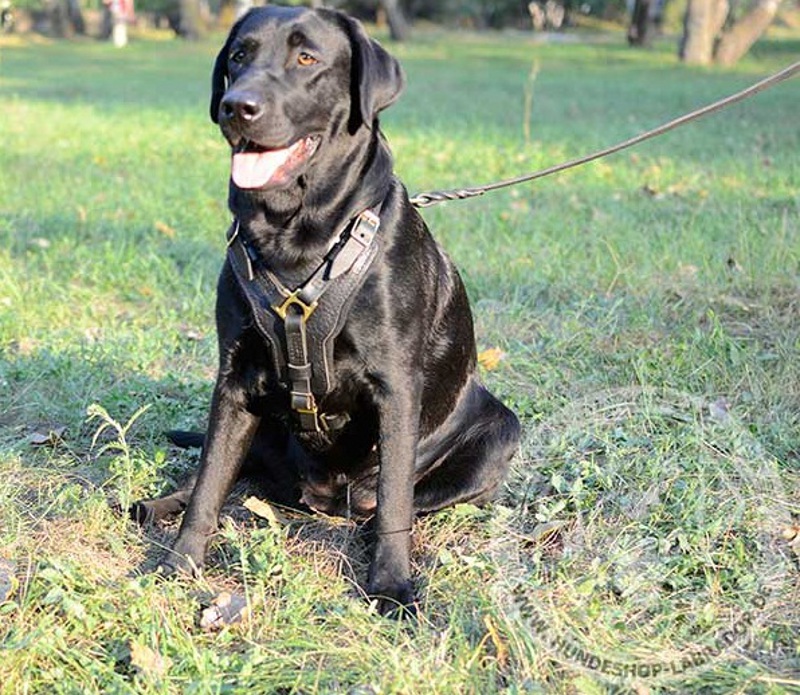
(301, 324)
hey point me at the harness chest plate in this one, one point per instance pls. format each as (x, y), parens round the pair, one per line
(300, 325)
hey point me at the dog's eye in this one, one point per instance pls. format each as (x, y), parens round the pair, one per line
(238, 56)
(306, 59)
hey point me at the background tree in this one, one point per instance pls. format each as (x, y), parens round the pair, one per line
(66, 18)
(645, 22)
(191, 22)
(399, 28)
(712, 34)
(735, 42)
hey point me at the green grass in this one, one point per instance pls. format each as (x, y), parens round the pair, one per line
(647, 308)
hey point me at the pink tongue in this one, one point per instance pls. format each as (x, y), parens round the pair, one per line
(255, 169)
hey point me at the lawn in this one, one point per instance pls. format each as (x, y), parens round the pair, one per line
(643, 316)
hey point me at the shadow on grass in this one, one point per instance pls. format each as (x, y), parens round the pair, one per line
(51, 392)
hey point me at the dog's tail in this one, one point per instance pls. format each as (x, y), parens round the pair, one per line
(186, 440)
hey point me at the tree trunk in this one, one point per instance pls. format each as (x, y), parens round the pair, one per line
(398, 26)
(191, 19)
(66, 18)
(58, 24)
(76, 16)
(701, 25)
(639, 27)
(737, 40)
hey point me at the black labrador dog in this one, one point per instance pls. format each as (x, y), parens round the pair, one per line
(347, 378)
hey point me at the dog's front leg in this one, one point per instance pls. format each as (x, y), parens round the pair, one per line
(389, 579)
(230, 432)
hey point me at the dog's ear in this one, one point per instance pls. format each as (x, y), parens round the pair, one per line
(219, 81)
(219, 76)
(376, 78)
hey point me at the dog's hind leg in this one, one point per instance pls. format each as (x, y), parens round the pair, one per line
(476, 464)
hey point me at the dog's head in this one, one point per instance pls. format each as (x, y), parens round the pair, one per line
(290, 80)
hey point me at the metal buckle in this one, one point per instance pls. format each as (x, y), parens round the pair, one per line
(372, 221)
(371, 218)
(309, 402)
(320, 420)
(311, 412)
(294, 299)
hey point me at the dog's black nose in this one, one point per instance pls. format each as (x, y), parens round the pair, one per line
(241, 105)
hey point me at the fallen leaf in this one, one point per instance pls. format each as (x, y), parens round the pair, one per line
(499, 645)
(545, 531)
(652, 191)
(520, 205)
(191, 334)
(264, 510)
(148, 661)
(43, 437)
(93, 334)
(165, 229)
(225, 609)
(25, 346)
(791, 534)
(489, 359)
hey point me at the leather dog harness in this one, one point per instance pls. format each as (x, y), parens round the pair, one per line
(300, 324)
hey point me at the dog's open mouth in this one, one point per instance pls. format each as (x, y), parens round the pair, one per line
(253, 166)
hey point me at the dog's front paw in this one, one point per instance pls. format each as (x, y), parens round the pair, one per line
(181, 561)
(174, 566)
(395, 600)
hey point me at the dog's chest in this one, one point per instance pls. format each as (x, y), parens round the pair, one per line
(300, 325)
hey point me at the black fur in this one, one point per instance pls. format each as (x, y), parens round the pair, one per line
(423, 432)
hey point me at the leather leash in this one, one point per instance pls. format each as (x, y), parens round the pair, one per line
(424, 200)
